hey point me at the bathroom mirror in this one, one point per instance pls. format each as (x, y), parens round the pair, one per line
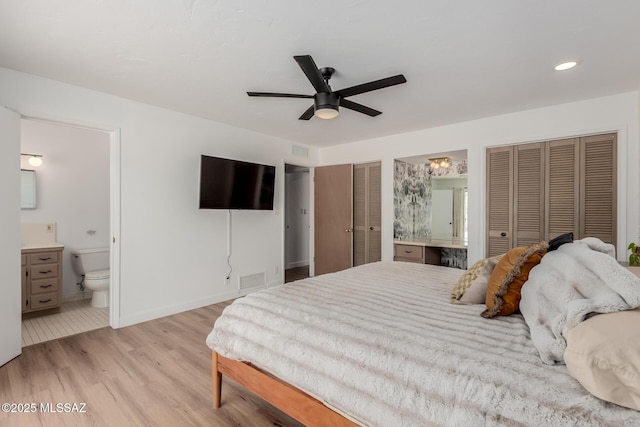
(27, 189)
(428, 202)
(449, 208)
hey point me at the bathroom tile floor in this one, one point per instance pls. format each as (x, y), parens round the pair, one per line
(74, 317)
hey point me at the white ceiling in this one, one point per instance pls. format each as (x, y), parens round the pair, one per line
(463, 59)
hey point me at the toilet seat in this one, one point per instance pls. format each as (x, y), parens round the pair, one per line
(97, 275)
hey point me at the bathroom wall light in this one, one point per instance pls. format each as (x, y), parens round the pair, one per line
(35, 160)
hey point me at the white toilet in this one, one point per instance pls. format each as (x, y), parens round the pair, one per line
(93, 266)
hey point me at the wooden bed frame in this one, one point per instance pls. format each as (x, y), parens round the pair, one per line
(290, 400)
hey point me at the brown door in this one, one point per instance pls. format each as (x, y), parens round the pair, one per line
(333, 195)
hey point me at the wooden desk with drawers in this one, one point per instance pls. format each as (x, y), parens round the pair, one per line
(423, 251)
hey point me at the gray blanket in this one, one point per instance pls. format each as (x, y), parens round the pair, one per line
(571, 284)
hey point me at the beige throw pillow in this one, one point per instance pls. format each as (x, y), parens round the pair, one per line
(472, 285)
(603, 354)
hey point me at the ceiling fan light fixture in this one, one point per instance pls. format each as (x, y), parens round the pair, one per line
(327, 112)
(326, 105)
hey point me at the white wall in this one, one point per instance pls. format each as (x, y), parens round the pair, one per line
(617, 113)
(10, 290)
(72, 187)
(172, 255)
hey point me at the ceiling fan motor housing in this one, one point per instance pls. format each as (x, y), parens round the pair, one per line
(322, 100)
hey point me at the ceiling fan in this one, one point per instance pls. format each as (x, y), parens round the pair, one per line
(326, 101)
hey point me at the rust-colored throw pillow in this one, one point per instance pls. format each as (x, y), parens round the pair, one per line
(508, 277)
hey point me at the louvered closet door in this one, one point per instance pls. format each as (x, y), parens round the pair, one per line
(367, 213)
(598, 207)
(499, 199)
(528, 194)
(562, 190)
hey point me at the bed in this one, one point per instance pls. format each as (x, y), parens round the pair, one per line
(381, 345)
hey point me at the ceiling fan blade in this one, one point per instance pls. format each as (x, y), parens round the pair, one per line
(359, 108)
(374, 85)
(278, 95)
(307, 114)
(312, 72)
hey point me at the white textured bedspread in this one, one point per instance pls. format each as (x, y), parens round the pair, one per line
(382, 343)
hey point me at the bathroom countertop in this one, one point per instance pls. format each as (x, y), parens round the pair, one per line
(40, 246)
(437, 243)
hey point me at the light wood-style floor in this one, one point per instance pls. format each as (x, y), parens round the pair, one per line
(74, 317)
(156, 373)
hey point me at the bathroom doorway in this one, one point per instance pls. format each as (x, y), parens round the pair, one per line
(296, 222)
(74, 200)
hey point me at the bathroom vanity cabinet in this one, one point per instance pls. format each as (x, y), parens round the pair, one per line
(41, 279)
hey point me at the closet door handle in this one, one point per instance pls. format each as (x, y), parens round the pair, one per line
(503, 234)
(371, 228)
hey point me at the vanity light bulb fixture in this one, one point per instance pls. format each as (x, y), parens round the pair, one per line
(440, 162)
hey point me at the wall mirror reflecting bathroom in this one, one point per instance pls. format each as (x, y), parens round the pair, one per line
(430, 197)
(27, 189)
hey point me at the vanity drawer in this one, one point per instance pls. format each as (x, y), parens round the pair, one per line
(39, 286)
(43, 271)
(49, 299)
(408, 253)
(43, 258)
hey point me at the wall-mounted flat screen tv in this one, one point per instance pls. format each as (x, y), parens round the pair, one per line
(232, 184)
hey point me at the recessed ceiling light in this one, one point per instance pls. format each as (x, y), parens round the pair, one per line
(565, 66)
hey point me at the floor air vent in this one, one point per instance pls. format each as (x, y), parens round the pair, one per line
(252, 281)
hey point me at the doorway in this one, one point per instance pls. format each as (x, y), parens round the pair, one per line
(75, 195)
(296, 222)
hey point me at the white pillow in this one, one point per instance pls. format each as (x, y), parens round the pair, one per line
(603, 354)
(471, 288)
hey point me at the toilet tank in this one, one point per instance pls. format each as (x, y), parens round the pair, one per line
(87, 260)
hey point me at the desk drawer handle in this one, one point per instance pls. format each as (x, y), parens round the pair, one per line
(45, 301)
(46, 286)
(45, 272)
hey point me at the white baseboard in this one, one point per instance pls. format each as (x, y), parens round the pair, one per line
(186, 306)
(77, 296)
(295, 264)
